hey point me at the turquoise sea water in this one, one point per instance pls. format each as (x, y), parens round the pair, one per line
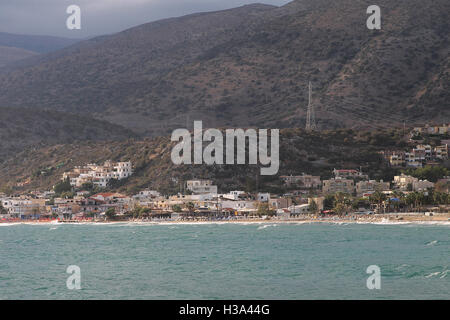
(304, 261)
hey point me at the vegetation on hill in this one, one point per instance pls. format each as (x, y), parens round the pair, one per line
(9, 55)
(250, 66)
(315, 153)
(38, 44)
(430, 173)
(22, 128)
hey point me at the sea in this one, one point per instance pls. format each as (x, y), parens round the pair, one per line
(224, 261)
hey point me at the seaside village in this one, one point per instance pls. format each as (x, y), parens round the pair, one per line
(349, 192)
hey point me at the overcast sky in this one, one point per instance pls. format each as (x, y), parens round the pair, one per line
(48, 17)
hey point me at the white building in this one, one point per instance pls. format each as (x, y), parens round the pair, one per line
(263, 197)
(338, 185)
(441, 152)
(422, 185)
(425, 149)
(233, 195)
(240, 205)
(201, 186)
(303, 181)
(363, 187)
(147, 194)
(19, 207)
(403, 181)
(98, 175)
(299, 209)
(349, 174)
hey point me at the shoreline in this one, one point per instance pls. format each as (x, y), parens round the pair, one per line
(395, 219)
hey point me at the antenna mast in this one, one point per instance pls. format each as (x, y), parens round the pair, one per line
(310, 115)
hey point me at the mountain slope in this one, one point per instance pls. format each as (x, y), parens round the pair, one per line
(312, 152)
(25, 128)
(9, 55)
(250, 66)
(39, 44)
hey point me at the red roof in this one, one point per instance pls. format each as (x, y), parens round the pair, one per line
(104, 195)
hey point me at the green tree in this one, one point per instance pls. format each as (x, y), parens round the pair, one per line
(265, 210)
(340, 208)
(138, 212)
(416, 199)
(114, 183)
(67, 195)
(430, 173)
(328, 203)
(110, 213)
(176, 208)
(342, 202)
(88, 186)
(145, 212)
(411, 199)
(190, 206)
(313, 207)
(62, 186)
(378, 198)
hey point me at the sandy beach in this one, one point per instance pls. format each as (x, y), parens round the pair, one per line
(395, 218)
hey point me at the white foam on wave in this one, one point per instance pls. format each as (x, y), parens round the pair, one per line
(284, 222)
(440, 274)
(403, 266)
(267, 226)
(9, 224)
(433, 274)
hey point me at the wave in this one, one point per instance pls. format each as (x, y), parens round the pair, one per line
(278, 222)
(267, 226)
(440, 274)
(433, 274)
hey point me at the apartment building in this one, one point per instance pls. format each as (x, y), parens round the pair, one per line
(422, 185)
(201, 186)
(404, 181)
(440, 130)
(338, 185)
(98, 175)
(363, 187)
(441, 152)
(22, 207)
(397, 159)
(304, 181)
(349, 174)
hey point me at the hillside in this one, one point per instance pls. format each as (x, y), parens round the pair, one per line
(314, 153)
(9, 55)
(24, 128)
(39, 44)
(250, 66)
